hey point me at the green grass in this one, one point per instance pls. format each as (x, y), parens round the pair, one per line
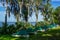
(32, 37)
(52, 34)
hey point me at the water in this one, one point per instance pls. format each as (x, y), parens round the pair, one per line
(33, 23)
(10, 23)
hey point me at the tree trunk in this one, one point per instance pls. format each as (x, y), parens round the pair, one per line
(20, 3)
(36, 15)
(5, 24)
(52, 19)
(17, 18)
(6, 18)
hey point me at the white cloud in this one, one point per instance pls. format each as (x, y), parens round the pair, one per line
(33, 18)
(2, 17)
(1, 4)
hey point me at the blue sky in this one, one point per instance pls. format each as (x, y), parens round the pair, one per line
(55, 3)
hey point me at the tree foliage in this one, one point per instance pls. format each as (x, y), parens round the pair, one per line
(56, 14)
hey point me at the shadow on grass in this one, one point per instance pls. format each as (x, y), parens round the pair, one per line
(40, 38)
(48, 35)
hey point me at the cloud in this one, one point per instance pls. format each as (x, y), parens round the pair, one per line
(33, 18)
(2, 17)
(1, 4)
(2, 8)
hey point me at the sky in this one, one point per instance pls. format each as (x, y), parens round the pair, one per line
(55, 3)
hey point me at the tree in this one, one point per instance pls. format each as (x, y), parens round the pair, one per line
(37, 4)
(12, 8)
(56, 15)
(18, 7)
(25, 11)
(7, 13)
(45, 9)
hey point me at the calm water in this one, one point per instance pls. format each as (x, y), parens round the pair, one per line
(9, 23)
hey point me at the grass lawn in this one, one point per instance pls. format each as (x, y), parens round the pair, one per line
(53, 34)
(32, 37)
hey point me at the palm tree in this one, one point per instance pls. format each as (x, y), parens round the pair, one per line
(7, 12)
(45, 10)
(35, 4)
(10, 9)
(25, 9)
(23, 4)
(16, 8)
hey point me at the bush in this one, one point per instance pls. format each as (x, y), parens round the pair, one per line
(7, 29)
(27, 25)
(23, 24)
(4, 28)
(19, 25)
(11, 29)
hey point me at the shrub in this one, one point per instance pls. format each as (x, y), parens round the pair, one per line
(11, 29)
